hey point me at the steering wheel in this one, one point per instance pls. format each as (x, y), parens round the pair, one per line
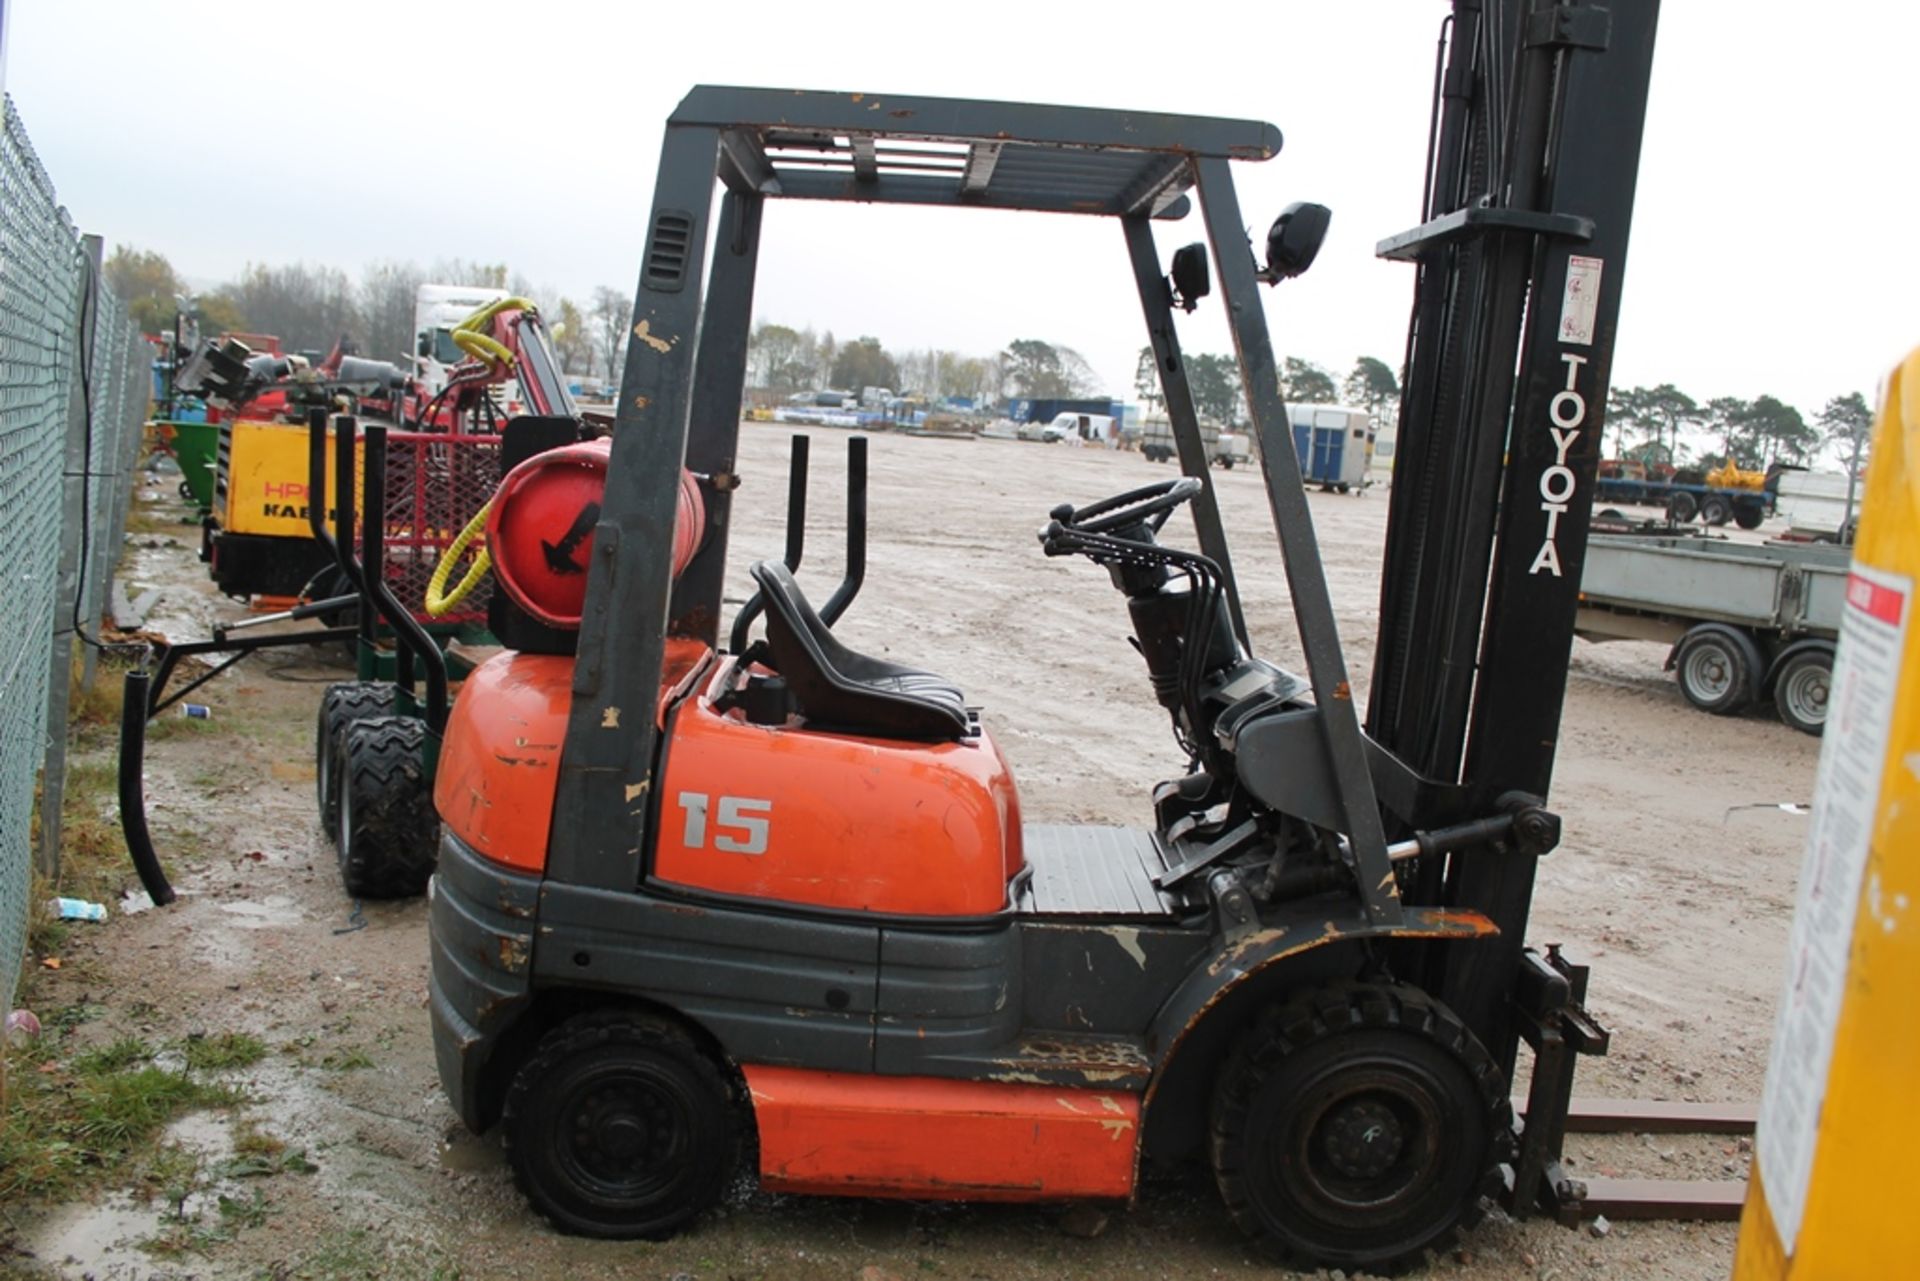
(1151, 504)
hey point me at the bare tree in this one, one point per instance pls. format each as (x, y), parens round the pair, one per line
(307, 308)
(458, 271)
(572, 338)
(387, 292)
(612, 313)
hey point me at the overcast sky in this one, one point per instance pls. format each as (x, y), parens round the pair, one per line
(1773, 243)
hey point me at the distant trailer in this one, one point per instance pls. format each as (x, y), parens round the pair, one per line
(1335, 445)
(1684, 501)
(1745, 621)
(1224, 448)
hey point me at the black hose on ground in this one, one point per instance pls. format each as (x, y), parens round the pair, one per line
(133, 794)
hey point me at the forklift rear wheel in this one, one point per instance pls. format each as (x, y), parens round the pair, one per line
(1716, 671)
(1358, 1127)
(619, 1126)
(388, 832)
(341, 706)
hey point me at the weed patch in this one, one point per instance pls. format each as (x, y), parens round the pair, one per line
(92, 1115)
(223, 1052)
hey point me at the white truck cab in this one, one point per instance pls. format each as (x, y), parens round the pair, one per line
(436, 310)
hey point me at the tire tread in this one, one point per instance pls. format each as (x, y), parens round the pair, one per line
(1284, 1029)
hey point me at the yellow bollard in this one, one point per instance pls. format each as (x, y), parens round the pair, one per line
(1839, 1130)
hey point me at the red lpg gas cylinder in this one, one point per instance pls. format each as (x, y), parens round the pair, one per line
(540, 530)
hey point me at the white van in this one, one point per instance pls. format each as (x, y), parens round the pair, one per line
(1083, 429)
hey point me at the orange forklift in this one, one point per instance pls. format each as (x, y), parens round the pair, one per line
(714, 895)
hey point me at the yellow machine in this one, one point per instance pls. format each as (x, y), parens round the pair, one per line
(1837, 1127)
(258, 540)
(1732, 476)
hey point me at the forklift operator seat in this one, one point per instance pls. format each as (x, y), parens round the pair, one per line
(835, 689)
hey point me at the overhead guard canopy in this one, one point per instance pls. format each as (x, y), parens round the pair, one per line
(952, 151)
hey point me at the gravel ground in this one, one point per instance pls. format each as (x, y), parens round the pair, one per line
(1678, 896)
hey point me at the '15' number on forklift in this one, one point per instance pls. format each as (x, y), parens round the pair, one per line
(740, 826)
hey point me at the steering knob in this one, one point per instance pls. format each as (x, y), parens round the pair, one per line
(1061, 514)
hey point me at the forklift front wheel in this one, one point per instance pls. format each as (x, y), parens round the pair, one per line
(1358, 1127)
(619, 1126)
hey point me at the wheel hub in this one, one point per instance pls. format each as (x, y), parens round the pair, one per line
(1709, 672)
(1364, 1139)
(621, 1134)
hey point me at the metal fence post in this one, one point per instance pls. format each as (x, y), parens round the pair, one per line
(53, 776)
(100, 431)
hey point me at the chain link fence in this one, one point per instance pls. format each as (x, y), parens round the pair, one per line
(74, 386)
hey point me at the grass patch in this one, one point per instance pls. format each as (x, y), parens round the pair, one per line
(117, 1057)
(91, 1116)
(223, 1052)
(357, 1253)
(93, 856)
(173, 724)
(250, 1142)
(116, 1110)
(353, 1059)
(192, 1234)
(97, 706)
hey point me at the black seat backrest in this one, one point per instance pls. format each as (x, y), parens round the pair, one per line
(835, 688)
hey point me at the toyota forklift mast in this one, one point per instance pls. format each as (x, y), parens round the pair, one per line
(1533, 155)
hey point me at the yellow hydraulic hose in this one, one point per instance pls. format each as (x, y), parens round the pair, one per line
(486, 349)
(467, 335)
(439, 600)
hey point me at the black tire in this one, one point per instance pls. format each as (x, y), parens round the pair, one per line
(1358, 1127)
(1716, 670)
(1715, 510)
(388, 832)
(1800, 690)
(1227, 463)
(1344, 488)
(1682, 507)
(620, 1126)
(1748, 515)
(341, 706)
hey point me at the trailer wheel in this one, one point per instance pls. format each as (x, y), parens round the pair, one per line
(388, 832)
(619, 1126)
(1715, 510)
(1344, 488)
(1716, 669)
(341, 706)
(1358, 1127)
(1748, 515)
(1682, 507)
(1227, 463)
(1800, 691)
